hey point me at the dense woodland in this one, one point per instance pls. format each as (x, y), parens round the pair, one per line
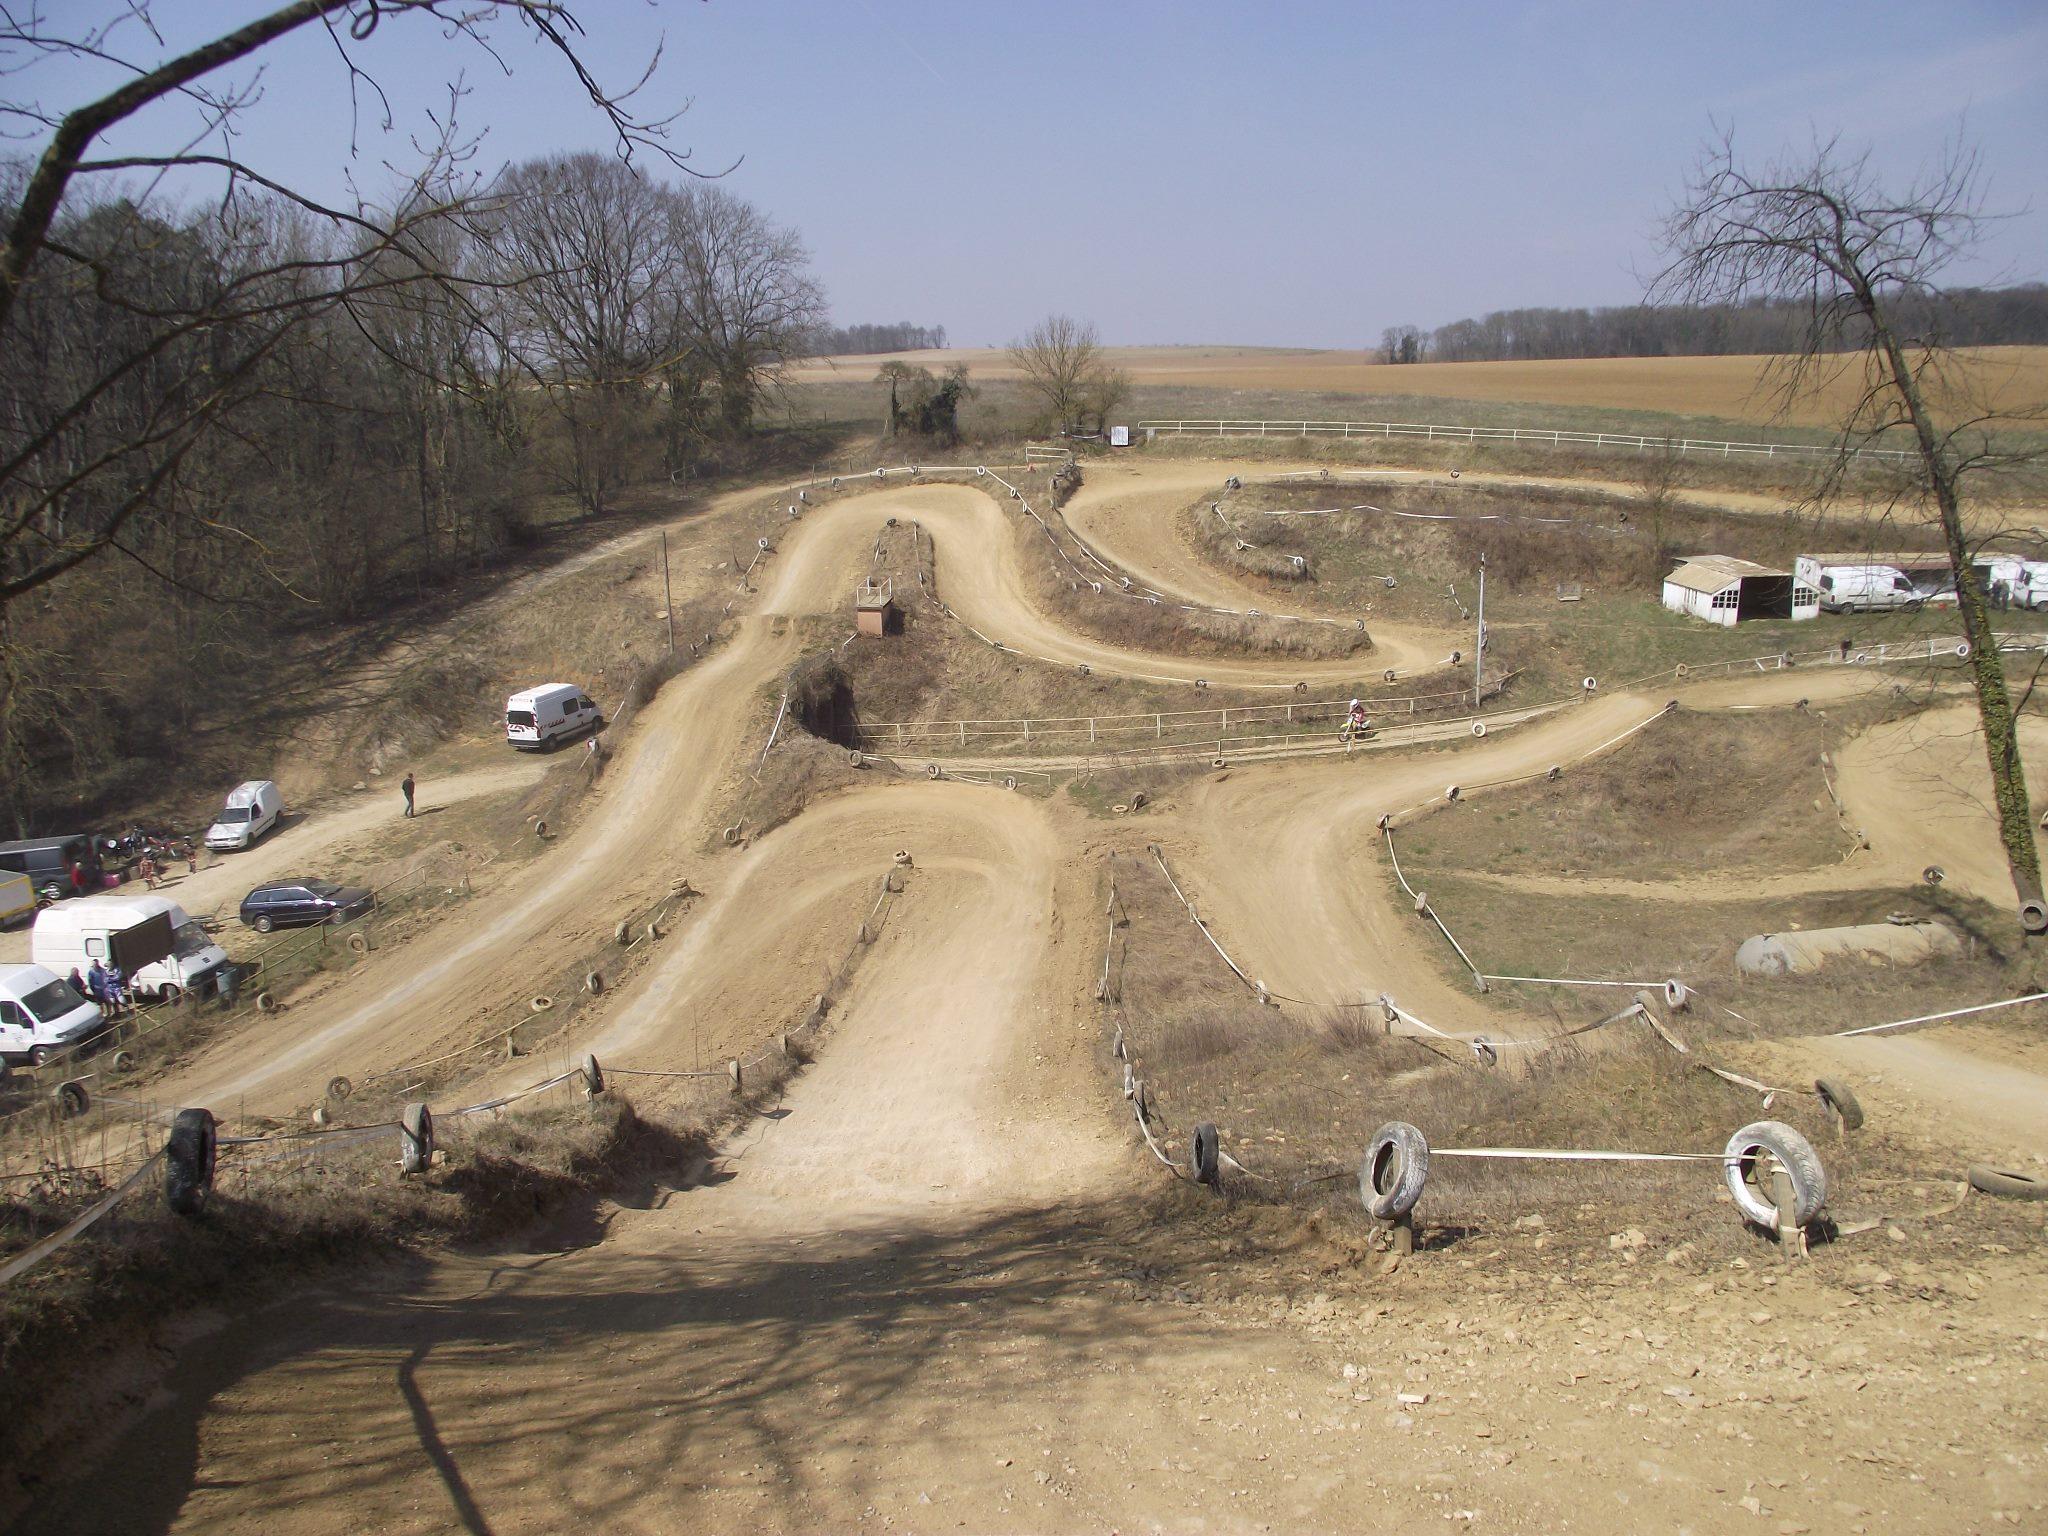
(865, 340)
(238, 423)
(1963, 317)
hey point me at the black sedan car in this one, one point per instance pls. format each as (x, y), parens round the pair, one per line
(297, 903)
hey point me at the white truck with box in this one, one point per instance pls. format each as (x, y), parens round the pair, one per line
(162, 952)
(253, 809)
(41, 1015)
(537, 718)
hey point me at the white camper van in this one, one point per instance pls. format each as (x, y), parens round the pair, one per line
(1866, 589)
(41, 1015)
(161, 950)
(252, 810)
(540, 717)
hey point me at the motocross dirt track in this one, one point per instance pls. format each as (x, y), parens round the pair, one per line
(921, 1294)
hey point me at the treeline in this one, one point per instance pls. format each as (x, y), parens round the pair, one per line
(1964, 317)
(226, 426)
(861, 340)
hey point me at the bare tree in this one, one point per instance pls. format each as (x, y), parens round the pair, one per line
(1065, 367)
(59, 507)
(1403, 344)
(1822, 230)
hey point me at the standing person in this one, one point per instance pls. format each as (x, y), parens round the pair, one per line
(407, 788)
(96, 984)
(146, 867)
(117, 987)
(79, 984)
(78, 879)
(192, 857)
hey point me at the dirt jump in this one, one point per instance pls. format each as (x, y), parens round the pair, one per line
(929, 1288)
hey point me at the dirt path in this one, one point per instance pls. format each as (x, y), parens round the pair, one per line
(929, 1290)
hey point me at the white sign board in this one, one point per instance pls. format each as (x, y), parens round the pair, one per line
(1119, 437)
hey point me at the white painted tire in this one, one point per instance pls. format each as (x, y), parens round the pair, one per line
(1745, 1166)
(416, 1139)
(1478, 727)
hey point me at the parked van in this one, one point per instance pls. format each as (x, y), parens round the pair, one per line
(2032, 588)
(48, 862)
(540, 717)
(253, 808)
(1867, 589)
(161, 950)
(40, 1015)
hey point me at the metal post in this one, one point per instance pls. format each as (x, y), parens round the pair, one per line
(1479, 643)
(668, 602)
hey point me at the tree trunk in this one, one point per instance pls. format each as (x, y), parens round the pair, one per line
(1987, 667)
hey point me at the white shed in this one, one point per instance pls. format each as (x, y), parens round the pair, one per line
(1724, 590)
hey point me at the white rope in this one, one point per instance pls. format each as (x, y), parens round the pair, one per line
(1552, 1155)
(1568, 981)
(1933, 1018)
(22, 1263)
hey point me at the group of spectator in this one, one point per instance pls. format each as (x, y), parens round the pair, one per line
(105, 984)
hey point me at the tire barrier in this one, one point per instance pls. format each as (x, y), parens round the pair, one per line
(1933, 874)
(265, 1003)
(593, 983)
(622, 931)
(1841, 1102)
(1478, 727)
(593, 1077)
(2034, 916)
(189, 1160)
(71, 1098)
(933, 771)
(902, 859)
(731, 835)
(416, 1139)
(653, 929)
(1202, 1151)
(1754, 1154)
(1396, 1167)
(122, 1061)
(540, 1004)
(359, 943)
(540, 829)
(2006, 1184)
(853, 756)
(1553, 773)
(1963, 650)
(1677, 996)
(737, 1073)
(1590, 684)
(339, 1088)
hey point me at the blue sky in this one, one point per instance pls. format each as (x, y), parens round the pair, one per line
(1294, 174)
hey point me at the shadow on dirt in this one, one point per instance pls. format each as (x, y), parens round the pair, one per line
(451, 1390)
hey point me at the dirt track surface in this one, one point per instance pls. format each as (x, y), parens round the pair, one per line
(928, 1291)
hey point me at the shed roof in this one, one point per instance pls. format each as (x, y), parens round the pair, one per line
(1711, 573)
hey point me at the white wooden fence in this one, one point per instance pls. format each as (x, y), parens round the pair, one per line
(1548, 437)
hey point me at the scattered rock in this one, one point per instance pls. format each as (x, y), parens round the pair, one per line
(1628, 1240)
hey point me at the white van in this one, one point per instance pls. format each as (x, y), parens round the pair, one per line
(540, 717)
(162, 952)
(41, 1015)
(2032, 588)
(252, 810)
(1867, 589)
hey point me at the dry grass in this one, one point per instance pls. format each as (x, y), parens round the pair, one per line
(1297, 1100)
(1725, 388)
(1695, 795)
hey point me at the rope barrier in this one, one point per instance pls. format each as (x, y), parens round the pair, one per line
(23, 1262)
(1933, 1018)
